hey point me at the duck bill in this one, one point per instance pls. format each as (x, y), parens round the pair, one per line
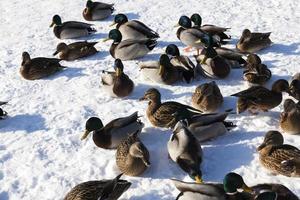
(114, 23)
(85, 135)
(247, 188)
(52, 24)
(260, 147)
(198, 179)
(106, 39)
(198, 42)
(118, 72)
(161, 70)
(176, 25)
(203, 60)
(55, 53)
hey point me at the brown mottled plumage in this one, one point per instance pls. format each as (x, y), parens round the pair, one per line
(97, 10)
(132, 157)
(277, 157)
(290, 117)
(295, 86)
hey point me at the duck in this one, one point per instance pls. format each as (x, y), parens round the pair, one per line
(70, 29)
(295, 86)
(129, 49)
(132, 156)
(189, 69)
(3, 114)
(207, 97)
(277, 157)
(99, 189)
(75, 50)
(97, 10)
(38, 68)
(251, 42)
(184, 149)
(233, 58)
(113, 133)
(256, 73)
(210, 29)
(162, 114)
(281, 192)
(133, 29)
(290, 117)
(259, 98)
(117, 84)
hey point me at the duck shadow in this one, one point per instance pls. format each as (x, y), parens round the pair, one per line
(286, 49)
(164, 44)
(96, 36)
(4, 195)
(25, 122)
(70, 73)
(141, 88)
(98, 56)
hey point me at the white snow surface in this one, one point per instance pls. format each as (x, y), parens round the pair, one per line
(41, 154)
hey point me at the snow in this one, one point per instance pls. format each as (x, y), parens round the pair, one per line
(41, 155)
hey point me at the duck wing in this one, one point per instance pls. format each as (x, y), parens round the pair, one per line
(77, 25)
(142, 28)
(123, 121)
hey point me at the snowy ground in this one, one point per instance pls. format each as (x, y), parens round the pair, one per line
(41, 155)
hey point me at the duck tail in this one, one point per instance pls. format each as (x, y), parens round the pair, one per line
(151, 43)
(91, 30)
(229, 125)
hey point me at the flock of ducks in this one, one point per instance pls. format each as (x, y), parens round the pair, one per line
(191, 125)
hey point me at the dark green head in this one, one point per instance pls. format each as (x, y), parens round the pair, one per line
(273, 138)
(56, 20)
(119, 67)
(115, 35)
(92, 124)
(120, 19)
(172, 50)
(185, 22)
(267, 196)
(232, 182)
(196, 18)
(89, 4)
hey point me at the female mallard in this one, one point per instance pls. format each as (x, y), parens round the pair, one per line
(290, 117)
(75, 50)
(258, 98)
(37, 68)
(117, 83)
(207, 97)
(295, 86)
(129, 49)
(277, 157)
(253, 42)
(96, 190)
(70, 29)
(3, 114)
(189, 69)
(133, 29)
(210, 29)
(256, 73)
(185, 150)
(132, 157)
(233, 58)
(162, 114)
(97, 10)
(111, 135)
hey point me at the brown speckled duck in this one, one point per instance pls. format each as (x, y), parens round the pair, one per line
(290, 117)
(207, 97)
(113, 133)
(96, 190)
(132, 156)
(259, 98)
(97, 10)
(277, 157)
(252, 42)
(37, 68)
(117, 83)
(3, 114)
(295, 86)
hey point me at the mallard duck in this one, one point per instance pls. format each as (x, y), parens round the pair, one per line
(37, 68)
(256, 73)
(97, 190)
(132, 156)
(277, 157)
(282, 192)
(111, 135)
(97, 10)
(290, 117)
(261, 98)
(253, 42)
(70, 29)
(3, 114)
(185, 150)
(207, 97)
(133, 29)
(189, 69)
(211, 29)
(75, 50)
(162, 114)
(117, 83)
(233, 58)
(129, 49)
(295, 86)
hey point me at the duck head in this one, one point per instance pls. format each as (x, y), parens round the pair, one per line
(253, 59)
(273, 138)
(197, 19)
(281, 85)
(184, 22)
(25, 57)
(56, 20)
(232, 182)
(61, 47)
(92, 124)
(114, 35)
(288, 105)
(89, 4)
(172, 50)
(151, 94)
(120, 19)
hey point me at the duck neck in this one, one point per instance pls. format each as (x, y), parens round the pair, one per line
(153, 105)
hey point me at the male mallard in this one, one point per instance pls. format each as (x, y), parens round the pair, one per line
(97, 10)
(256, 73)
(295, 86)
(162, 114)
(129, 49)
(261, 98)
(210, 29)
(253, 42)
(290, 117)
(277, 157)
(3, 113)
(70, 29)
(207, 97)
(233, 58)
(185, 150)
(189, 69)
(38, 68)
(133, 29)
(97, 190)
(75, 50)
(111, 135)
(117, 83)
(282, 192)
(132, 157)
